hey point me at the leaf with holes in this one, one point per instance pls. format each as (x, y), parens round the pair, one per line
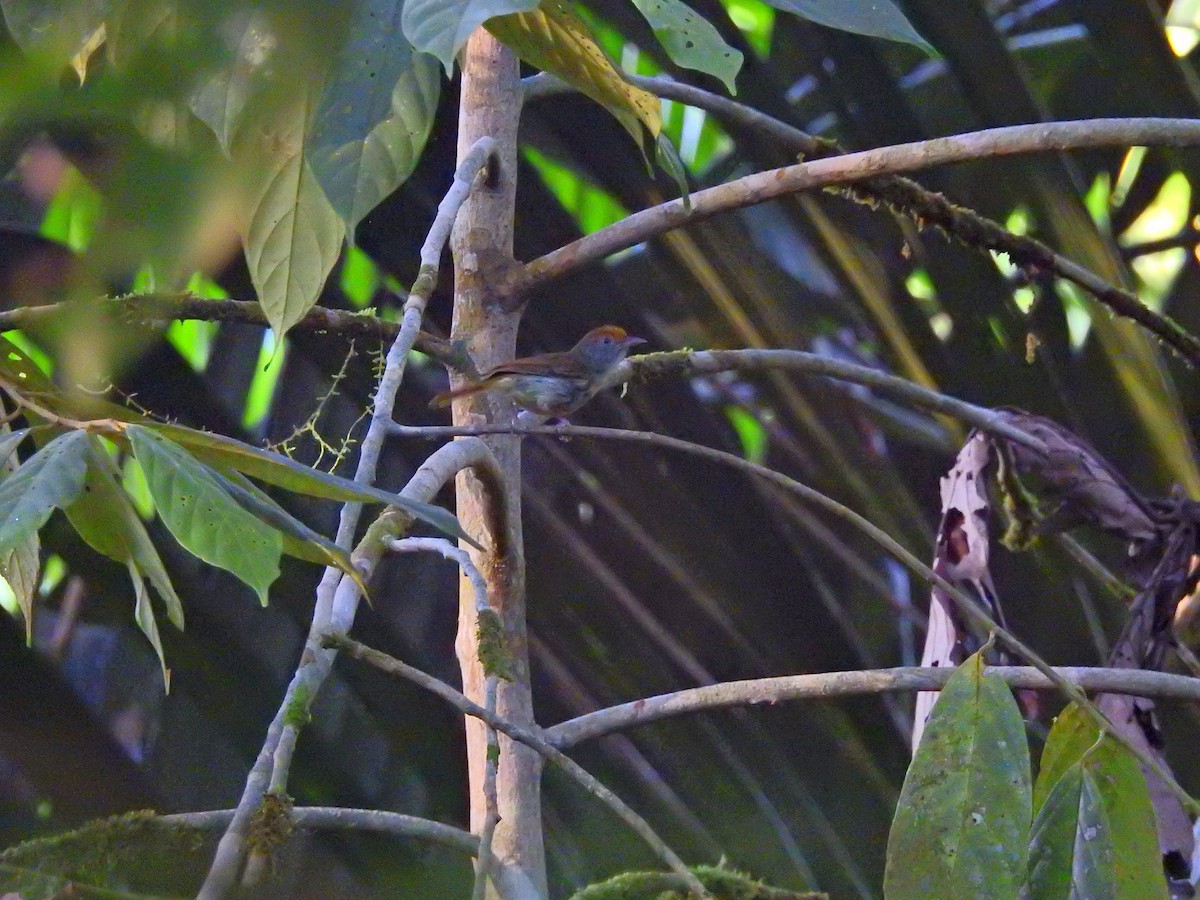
(963, 817)
(20, 570)
(199, 512)
(294, 234)
(375, 114)
(50, 479)
(555, 39)
(106, 520)
(691, 40)
(877, 18)
(441, 27)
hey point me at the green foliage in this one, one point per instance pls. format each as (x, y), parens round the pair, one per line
(1094, 833)
(723, 884)
(963, 818)
(879, 18)
(556, 39)
(493, 654)
(691, 40)
(441, 27)
(375, 113)
(20, 569)
(199, 511)
(50, 479)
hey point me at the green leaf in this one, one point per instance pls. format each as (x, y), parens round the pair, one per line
(105, 518)
(962, 823)
(691, 40)
(143, 614)
(197, 508)
(1095, 834)
(1071, 736)
(441, 27)
(875, 18)
(294, 235)
(375, 114)
(669, 161)
(50, 479)
(299, 540)
(9, 441)
(20, 570)
(279, 470)
(220, 101)
(554, 38)
(58, 27)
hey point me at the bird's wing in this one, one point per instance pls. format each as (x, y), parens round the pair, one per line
(545, 364)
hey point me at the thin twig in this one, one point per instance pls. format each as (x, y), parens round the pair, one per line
(871, 164)
(530, 737)
(927, 208)
(966, 604)
(485, 859)
(338, 595)
(828, 685)
(340, 818)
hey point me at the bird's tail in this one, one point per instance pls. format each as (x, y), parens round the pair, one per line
(445, 398)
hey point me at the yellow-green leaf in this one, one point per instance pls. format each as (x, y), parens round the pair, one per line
(20, 570)
(143, 614)
(555, 39)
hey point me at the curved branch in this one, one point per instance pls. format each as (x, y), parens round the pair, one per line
(970, 608)
(527, 735)
(927, 208)
(836, 170)
(338, 594)
(827, 685)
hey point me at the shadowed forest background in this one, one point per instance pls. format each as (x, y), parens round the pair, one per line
(650, 572)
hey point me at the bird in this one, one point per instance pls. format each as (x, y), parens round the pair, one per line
(553, 385)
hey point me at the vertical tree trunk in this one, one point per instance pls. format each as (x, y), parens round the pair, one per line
(482, 242)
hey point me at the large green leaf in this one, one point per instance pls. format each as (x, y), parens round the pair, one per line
(59, 27)
(294, 234)
(554, 38)
(197, 508)
(874, 18)
(279, 470)
(441, 27)
(220, 101)
(1071, 737)
(106, 520)
(20, 569)
(962, 823)
(299, 540)
(1095, 833)
(375, 114)
(50, 479)
(691, 40)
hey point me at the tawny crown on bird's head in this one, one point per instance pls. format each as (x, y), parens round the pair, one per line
(605, 346)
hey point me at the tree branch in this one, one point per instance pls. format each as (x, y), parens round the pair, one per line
(530, 736)
(828, 685)
(966, 604)
(338, 594)
(927, 208)
(862, 166)
(158, 308)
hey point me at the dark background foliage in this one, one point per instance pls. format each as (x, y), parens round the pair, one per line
(650, 572)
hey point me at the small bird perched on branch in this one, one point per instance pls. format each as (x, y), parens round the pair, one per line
(553, 384)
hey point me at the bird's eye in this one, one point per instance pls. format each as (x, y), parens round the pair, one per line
(607, 340)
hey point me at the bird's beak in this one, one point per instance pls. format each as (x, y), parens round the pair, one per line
(635, 341)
